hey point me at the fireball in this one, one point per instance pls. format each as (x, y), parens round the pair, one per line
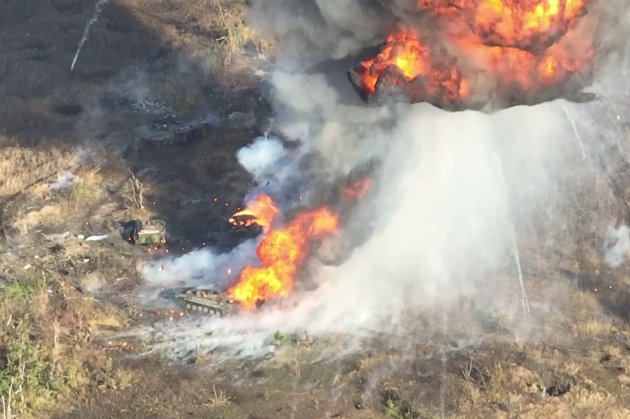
(406, 60)
(509, 50)
(525, 24)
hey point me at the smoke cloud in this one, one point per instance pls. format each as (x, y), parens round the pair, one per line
(466, 207)
(260, 156)
(199, 268)
(617, 246)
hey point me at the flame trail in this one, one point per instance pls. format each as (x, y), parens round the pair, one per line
(514, 242)
(521, 284)
(578, 137)
(97, 11)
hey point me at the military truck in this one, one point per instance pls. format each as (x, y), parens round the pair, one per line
(147, 232)
(206, 301)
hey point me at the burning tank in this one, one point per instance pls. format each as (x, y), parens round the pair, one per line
(207, 301)
(245, 223)
(258, 215)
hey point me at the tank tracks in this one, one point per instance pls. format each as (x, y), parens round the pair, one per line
(206, 301)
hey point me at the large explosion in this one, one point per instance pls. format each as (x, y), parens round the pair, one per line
(471, 54)
(516, 52)
(462, 200)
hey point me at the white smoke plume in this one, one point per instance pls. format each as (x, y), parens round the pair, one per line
(462, 203)
(617, 245)
(203, 268)
(263, 154)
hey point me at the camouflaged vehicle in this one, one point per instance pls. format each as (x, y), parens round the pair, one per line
(148, 232)
(206, 301)
(170, 131)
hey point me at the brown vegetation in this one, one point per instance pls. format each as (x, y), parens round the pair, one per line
(24, 170)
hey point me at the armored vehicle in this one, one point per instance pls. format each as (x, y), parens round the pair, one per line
(206, 301)
(245, 223)
(170, 130)
(148, 232)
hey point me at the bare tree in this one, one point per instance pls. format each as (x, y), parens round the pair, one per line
(135, 198)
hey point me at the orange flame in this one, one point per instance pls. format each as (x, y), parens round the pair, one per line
(262, 210)
(523, 46)
(281, 253)
(403, 50)
(525, 24)
(358, 189)
(405, 59)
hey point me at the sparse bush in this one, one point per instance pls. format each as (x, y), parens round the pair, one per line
(87, 190)
(395, 407)
(280, 338)
(219, 398)
(19, 293)
(595, 326)
(28, 377)
(214, 60)
(237, 34)
(39, 363)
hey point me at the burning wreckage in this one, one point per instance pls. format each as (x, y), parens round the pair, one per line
(483, 55)
(282, 251)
